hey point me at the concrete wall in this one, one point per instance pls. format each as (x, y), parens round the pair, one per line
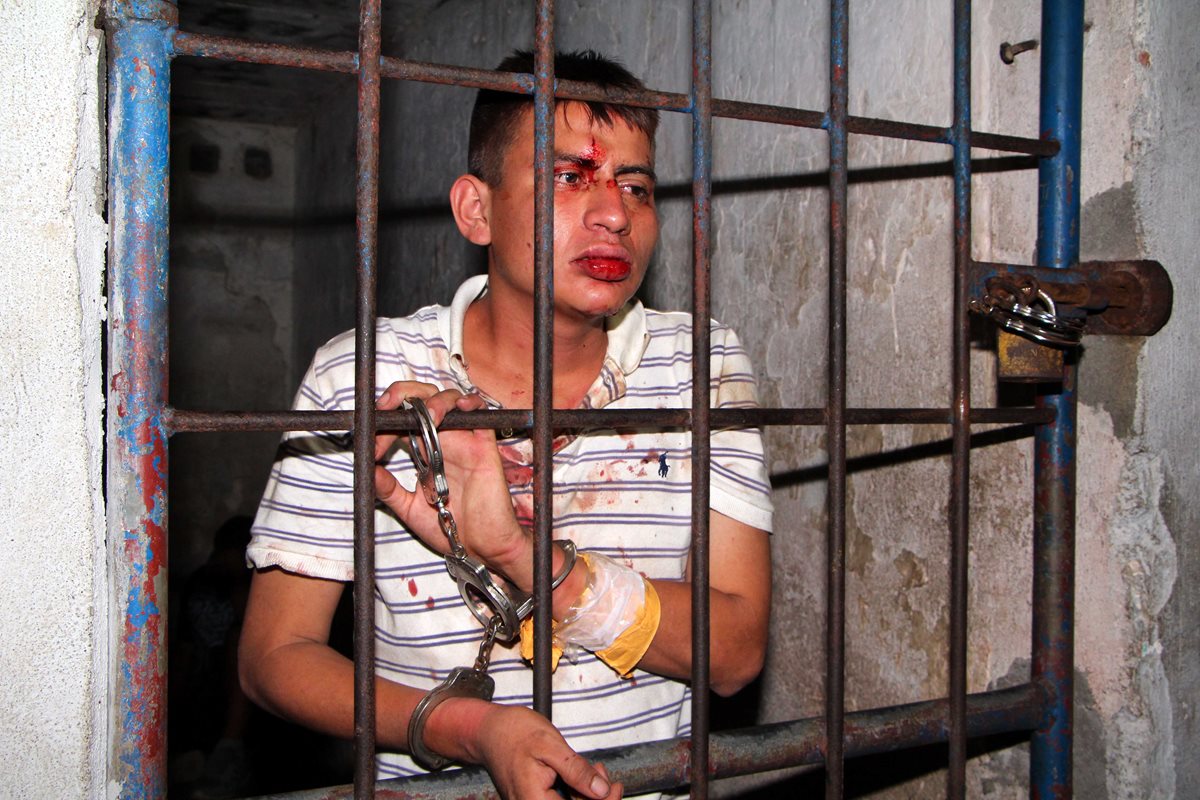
(53, 584)
(1164, 440)
(1136, 639)
(230, 314)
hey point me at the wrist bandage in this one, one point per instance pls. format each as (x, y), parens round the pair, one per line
(615, 617)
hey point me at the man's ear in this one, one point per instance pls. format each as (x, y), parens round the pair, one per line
(470, 201)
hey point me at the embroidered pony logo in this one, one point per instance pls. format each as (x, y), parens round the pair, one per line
(663, 469)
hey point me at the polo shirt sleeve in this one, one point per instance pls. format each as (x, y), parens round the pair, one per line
(305, 519)
(739, 484)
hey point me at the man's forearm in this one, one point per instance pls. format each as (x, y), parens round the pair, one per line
(313, 685)
(737, 644)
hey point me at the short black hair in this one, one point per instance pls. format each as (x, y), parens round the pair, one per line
(496, 114)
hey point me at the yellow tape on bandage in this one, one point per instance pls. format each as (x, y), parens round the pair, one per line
(632, 644)
(527, 645)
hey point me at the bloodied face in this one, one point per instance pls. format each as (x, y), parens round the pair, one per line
(605, 221)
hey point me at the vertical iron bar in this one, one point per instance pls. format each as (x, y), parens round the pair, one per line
(543, 350)
(835, 402)
(367, 212)
(701, 370)
(1054, 445)
(139, 79)
(960, 405)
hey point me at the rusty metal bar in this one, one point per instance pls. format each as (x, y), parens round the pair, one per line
(1053, 658)
(835, 402)
(701, 92)
(367, 203)
(664, 765)
(184, 421)
(139, 78)
(1126, 298)
(231, 49)
(543, 346)
(960, 403)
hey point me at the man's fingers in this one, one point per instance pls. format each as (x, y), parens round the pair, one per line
(389, 490)
(582, 777)
(391, 399)
(615, 789)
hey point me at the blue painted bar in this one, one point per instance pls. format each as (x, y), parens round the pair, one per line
(139, 78)
(1054, 448)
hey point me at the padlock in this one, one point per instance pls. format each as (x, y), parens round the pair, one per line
(1022, 360)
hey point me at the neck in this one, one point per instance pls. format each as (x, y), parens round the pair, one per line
(498, 345)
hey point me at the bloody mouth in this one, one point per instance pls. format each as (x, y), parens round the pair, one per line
(605, 269)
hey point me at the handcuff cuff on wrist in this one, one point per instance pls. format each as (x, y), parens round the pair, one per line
(478, 589)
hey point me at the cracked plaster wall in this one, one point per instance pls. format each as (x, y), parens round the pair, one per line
(53, 586)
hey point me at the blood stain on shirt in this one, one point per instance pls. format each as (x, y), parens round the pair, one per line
(412, 587)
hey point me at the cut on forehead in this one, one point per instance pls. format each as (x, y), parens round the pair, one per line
(575, 116)
(497, 116)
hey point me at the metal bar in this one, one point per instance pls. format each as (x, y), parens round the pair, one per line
(960, 402)
(1054, 446)
(185, 421)
(701, 402)
(543, 347)
(664, 765)
(230, 49)
(835, 402)
(139, 79)
(367, 204)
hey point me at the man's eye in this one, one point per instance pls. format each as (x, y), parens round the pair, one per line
(568, 177)
(637, 191)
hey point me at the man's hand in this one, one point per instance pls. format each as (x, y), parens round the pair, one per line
(287, 666)
(479, 498)
(522, 751)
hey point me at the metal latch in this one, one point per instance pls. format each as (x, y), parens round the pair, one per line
(1043, 311)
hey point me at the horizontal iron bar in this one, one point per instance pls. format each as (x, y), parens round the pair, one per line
(657, 766)
(231, 49)
(184, 421)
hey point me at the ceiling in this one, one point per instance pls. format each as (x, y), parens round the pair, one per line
(228, 90)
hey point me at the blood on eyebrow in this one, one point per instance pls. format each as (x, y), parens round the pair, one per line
(586, 166)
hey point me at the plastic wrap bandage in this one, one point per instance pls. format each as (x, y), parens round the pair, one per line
(615, 617)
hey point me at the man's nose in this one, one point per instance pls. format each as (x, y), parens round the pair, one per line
(606, 207)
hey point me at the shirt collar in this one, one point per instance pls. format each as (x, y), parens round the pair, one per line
(627, 338)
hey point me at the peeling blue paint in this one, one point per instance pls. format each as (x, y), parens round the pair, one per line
(140, 48)
(1051, 745)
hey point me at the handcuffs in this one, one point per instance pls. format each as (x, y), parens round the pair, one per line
(499, 610)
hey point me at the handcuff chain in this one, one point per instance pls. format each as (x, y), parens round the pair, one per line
(484, 659)
(431, 473)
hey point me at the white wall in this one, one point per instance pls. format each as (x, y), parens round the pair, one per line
(53, 591)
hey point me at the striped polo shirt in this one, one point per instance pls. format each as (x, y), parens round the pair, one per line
(623, 493)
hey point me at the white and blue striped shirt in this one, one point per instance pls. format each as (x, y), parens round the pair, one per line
(625, 494)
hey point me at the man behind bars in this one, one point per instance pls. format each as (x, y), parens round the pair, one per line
(623, 611)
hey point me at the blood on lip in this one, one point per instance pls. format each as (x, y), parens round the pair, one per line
(605, 268)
